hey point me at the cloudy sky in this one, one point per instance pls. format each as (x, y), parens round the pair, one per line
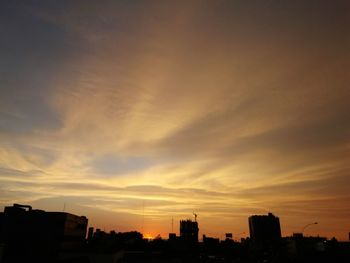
(136, 112)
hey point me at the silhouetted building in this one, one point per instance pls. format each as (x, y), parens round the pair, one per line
(31, 232)
(306, 249)
(172, 236)
(211, 240)
(189, 230)
(264, 229)
(228, 235)
(90, 233)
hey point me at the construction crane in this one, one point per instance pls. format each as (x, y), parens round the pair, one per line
(195, 217)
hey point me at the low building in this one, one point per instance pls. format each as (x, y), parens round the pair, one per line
(31, 232)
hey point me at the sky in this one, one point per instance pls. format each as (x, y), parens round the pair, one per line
(137, 113)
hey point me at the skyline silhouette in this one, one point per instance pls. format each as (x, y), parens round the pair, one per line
(32, 235)
(262, 228)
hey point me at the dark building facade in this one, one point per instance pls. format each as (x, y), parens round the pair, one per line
(35, 232)
(189, 230)
(264, 229)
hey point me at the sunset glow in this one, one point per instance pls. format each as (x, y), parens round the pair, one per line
(138, 113)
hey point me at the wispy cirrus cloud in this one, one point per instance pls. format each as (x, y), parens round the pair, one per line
(225, 108)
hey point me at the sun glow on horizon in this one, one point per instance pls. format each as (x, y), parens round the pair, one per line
(148, 236)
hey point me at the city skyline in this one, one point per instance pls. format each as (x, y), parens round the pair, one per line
(139, 113)
(263, 229)
(42, 236)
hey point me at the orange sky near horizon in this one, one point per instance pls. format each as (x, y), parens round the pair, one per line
(136, 112)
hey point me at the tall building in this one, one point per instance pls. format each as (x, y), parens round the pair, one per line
(31, 232)
(189, 230)
(264, 228)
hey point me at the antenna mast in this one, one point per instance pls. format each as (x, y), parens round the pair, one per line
(143, 216)
(172, 225)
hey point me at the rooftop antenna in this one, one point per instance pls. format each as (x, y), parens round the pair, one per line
(64, 206)
(143, 215)
(195, 217)
(172, 225)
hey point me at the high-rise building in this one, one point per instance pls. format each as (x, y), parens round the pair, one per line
(189, 230)
(90, 234)
(264, 228)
